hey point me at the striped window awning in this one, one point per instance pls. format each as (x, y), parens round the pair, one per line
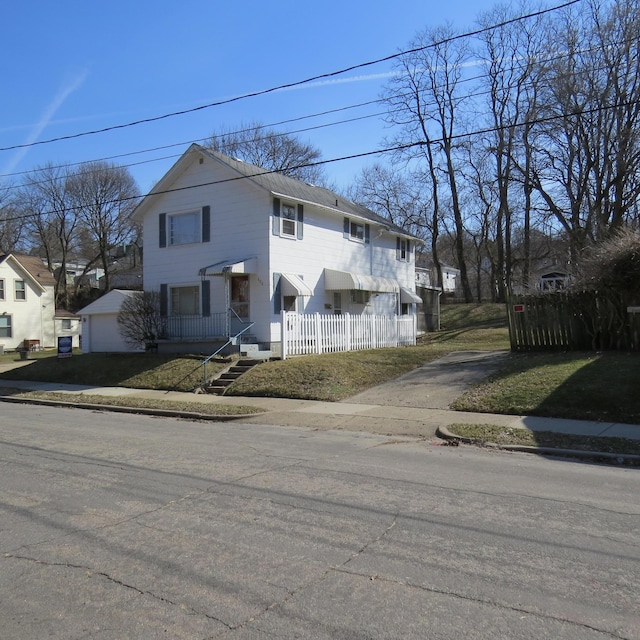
(293, 285)
(347, 281)
(408, 296)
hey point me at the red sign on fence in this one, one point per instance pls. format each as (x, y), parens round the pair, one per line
(518, 308)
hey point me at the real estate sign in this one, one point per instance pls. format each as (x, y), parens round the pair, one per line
(65, 346)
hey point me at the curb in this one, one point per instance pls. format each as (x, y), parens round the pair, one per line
(600, 456)
(165, 413)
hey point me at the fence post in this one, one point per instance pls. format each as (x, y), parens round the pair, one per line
(318, 332)
(283, 336)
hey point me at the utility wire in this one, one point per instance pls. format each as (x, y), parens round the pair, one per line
(392, 149)
(298, 83)
(289, 121)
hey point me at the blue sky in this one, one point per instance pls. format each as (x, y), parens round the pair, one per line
(71, 66)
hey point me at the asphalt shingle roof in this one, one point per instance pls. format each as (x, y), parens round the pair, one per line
(296, 189)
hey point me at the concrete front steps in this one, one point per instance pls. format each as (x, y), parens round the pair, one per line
(218, 386)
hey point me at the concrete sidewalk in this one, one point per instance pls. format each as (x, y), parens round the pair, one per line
(414, 405)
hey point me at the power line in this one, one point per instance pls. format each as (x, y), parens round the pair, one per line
(298, 83)
(287, 121)
(396, 148)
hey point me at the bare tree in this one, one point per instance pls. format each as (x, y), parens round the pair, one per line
(271, 150)
(512, 56)
(425, 100)
(51, 219)
(103, 195)
(586, 149)
(11, 222)
(139, 320)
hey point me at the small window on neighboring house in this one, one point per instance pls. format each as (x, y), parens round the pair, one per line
(288, 220)
(66, 324)
(21, 290)
(184, 228)
(185, 301)
(1, 289)
(5, 327)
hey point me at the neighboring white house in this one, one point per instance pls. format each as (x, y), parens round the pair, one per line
(230, 246)
(100, 323)
(27, 302)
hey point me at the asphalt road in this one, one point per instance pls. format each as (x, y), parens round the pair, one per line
(120, 526)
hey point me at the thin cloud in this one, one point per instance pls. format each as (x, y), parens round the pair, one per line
(63, 93)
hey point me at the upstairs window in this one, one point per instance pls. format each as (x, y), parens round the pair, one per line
(356, 231)
(20, 290)
(184, 228)
(403, 249)
(288, 221)
(1, 289)
(188, 227)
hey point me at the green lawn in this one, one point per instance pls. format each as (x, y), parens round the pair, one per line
(595, 386)
(586, 386)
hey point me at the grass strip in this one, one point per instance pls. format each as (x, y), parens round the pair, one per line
(489, 433)
(134, 403)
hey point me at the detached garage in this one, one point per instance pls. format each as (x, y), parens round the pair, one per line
(100, 323)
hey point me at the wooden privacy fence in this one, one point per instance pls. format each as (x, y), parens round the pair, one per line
(576, 320)
(304, 334)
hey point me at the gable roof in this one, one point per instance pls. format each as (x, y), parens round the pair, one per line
(108, 303)
(33, 267)
(275, 183)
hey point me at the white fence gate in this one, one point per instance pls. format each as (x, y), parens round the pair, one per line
(317, 333)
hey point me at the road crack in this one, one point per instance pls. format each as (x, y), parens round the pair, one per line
(102, 574)
(477, 600)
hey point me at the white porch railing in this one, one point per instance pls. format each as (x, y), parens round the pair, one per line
(316, 333)
(192, 327)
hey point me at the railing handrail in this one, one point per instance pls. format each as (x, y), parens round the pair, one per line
(231, 340)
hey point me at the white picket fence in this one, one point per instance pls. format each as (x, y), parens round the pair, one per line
(304, 334)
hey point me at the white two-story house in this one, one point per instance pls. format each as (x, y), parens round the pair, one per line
(27, 303)
(230, 246)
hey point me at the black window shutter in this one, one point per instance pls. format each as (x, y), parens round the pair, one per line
(367, 233)
(345, 228)
(300, 221)
(164, 300)
(162, 224)
(397, 248)
(276, 217)
(206, 297)
(277, 294)
(206, 223)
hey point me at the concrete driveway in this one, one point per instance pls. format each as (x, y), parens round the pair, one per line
(437, 384)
